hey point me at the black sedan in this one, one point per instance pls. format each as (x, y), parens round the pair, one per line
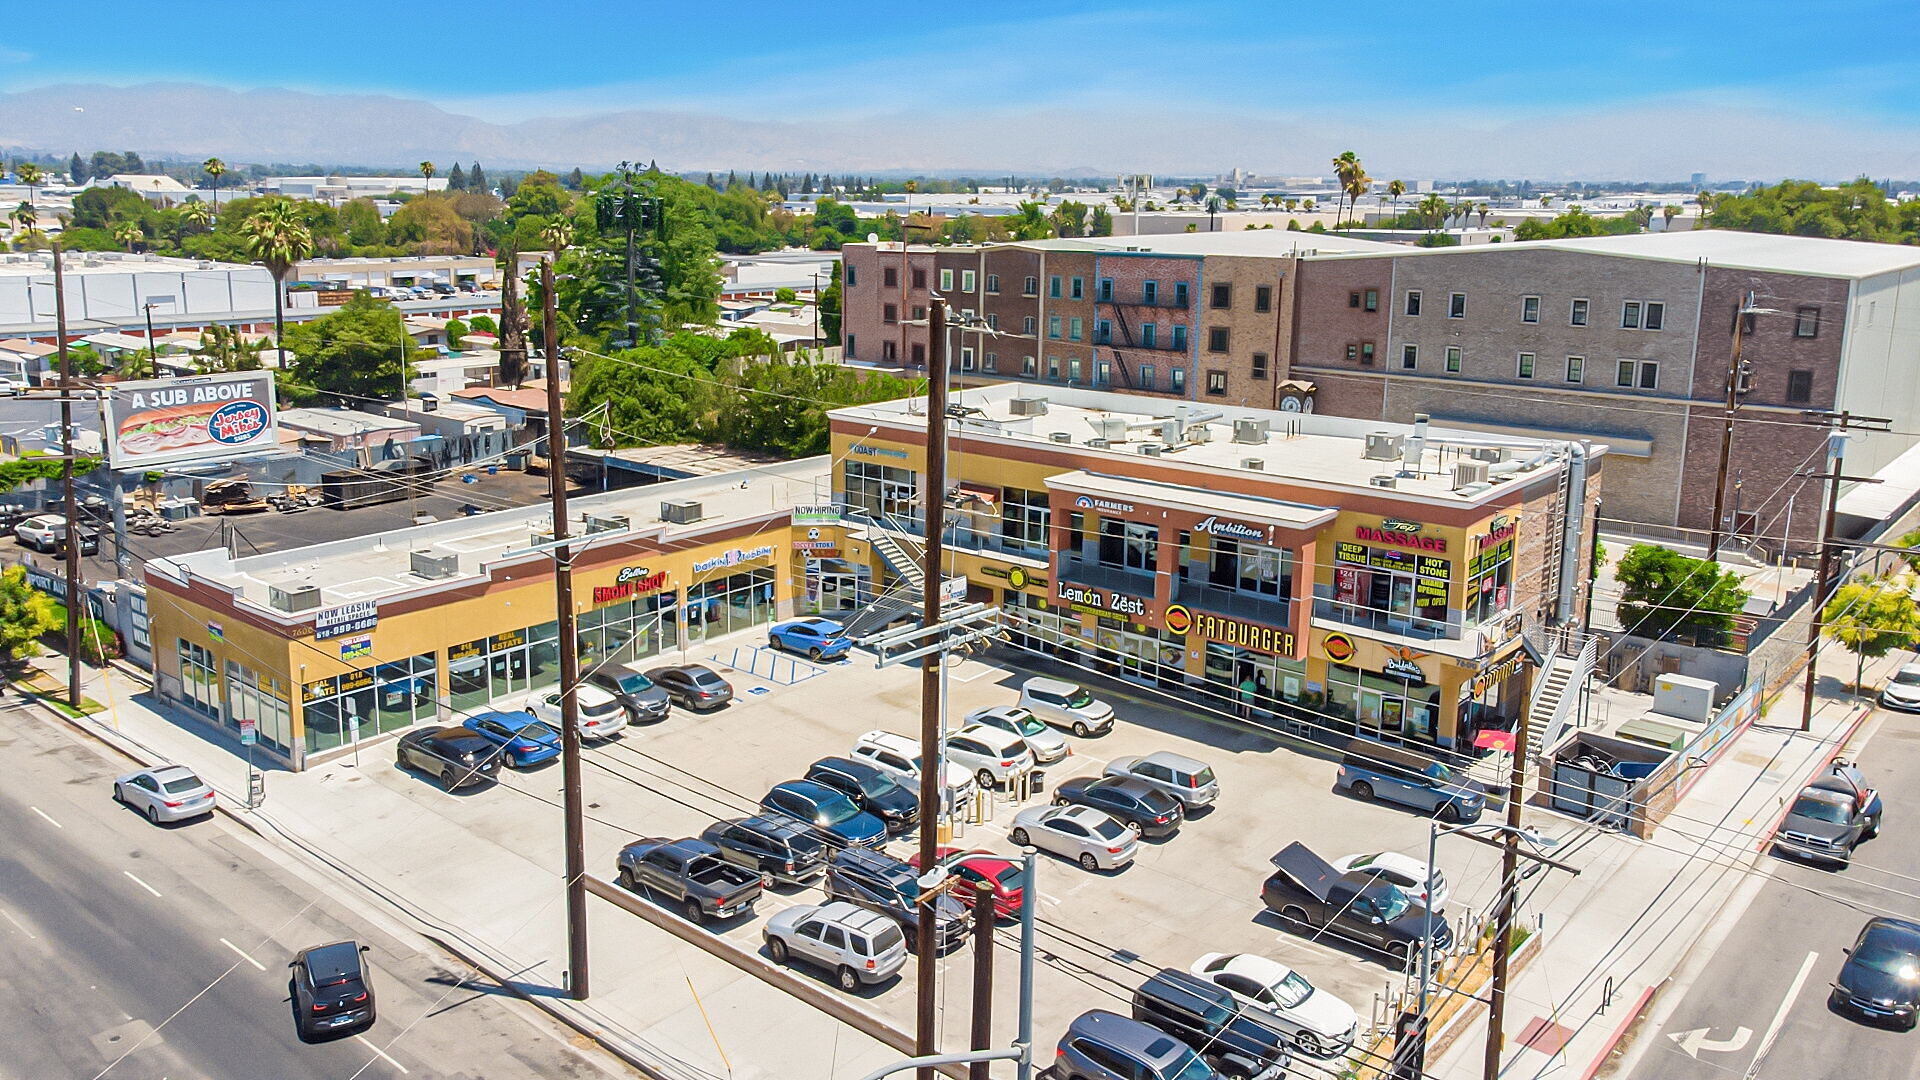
(459, 757)
(1880, 982)
(1137, 804)
(693, 686)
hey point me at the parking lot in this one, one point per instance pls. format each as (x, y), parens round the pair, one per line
(1100, 934)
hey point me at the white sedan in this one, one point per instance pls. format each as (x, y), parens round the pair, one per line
(1088, 836)
(166, 793)
(1405, 872)
(1319, 1023)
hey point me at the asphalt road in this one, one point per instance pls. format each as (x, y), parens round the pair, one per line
(1759, 1007)
(147, 953)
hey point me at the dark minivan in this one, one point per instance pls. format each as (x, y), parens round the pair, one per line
(870, 789)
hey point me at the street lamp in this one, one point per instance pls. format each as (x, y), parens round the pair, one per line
(153, 353)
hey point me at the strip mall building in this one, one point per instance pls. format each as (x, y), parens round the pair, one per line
(1363, 578)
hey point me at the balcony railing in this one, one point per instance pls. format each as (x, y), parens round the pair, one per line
(1245, 606)
(1114, 578)
(1173, 303)
(1390, 622)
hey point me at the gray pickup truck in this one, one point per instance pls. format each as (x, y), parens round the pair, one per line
(692, 874)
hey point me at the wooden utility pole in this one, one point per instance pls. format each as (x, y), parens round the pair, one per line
(1509, 896)
(74, 531)
(982, 976)
(1719, 526)
(573, 813)
(932, 760)
(1840, 424)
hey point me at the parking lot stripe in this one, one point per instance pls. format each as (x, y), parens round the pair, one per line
(243, 954)
(49, 820)
(17, 923)
(383, 1054)
(140, 883)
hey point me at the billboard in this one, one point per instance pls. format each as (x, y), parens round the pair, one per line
(198, 418)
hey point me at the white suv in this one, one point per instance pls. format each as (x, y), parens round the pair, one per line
(993, 756)
(1067, 705)
(601, 714)
(899, 757)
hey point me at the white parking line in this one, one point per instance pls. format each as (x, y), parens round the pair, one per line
(383, 1054)
(17, 923)
(1780, 1016)
(49, 820)
(140, 883)
(242, 952)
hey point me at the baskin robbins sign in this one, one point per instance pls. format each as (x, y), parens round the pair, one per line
(202, 418)
(733, 557)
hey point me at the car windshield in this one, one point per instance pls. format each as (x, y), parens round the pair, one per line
(633, 683)
(1890, 953)
(1291, 990)
(1189, 1067)
(1079, 699)
(184, 783)
(1908, 676)
(877, 785)
(836, 810)
(1820, 810)
(707, 678)
(1027, 725)
(1391, 904)
(1109, 830)
(538, 731)
(1440, 772)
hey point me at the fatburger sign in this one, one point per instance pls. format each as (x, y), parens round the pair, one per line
(202, 418)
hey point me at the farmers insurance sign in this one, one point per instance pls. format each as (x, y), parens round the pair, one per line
(203, 418)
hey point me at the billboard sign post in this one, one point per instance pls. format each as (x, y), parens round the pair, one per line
(200, 418)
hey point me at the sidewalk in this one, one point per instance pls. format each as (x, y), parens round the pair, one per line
(678, 1011)
(1628, 921)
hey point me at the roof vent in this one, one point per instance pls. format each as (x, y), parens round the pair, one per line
(1384, 480)
(1061, 436)
(1384, 446)
(1469, 472)
(599, 523)
(681, 511)
(426, 564)
(1027, 406)
(1251, 432)
(297, 598)
(1493, 455)
(1258, 464)
(1151, 449)
(1097, 444)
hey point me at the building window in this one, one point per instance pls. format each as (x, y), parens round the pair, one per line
(1105, 294)
(1180, 294)
(1179, 338)
(1102, 373)
(1149, 336)
(1073, 369)
(1373, 300)
(1799, 386)
(199, 679)
(1178, 378)
(889, 313)
(1259, 365)
(1102, 331)
(1027, 366)
(881, 490)
(1353, 299)
(1053, 286)
(1453, 359)
(966, 358)
(1525, 368)
(1053, 368)
(993, 283)
(919, 312)
(853, 276)
(1490, 582)
(1649, 375)
(946, 280)
(852, 353)
(1457, 306)
(1053, 327)
(1630, 315)
(264, 700)
(1129, 545)
(1146, 376)
(1031, 287)
(1656, 315)
(1529, 309)
(1409, 358)
(1026, 325)
(1806, 322)
(990, 362)
(1624, 373)
(1576, 369)
(1079, 288)
(919, 354)
(1074, 328)
(1149, 292)
(1353, 351)
(890, 277)
(919, 278)
(1577, 315)
(1216, 339)
(889, 351)
(1263, 298)
(1366, 353)
(966, 281)
(993, 320)
(1413, 301)
(344, 709)
(1216, 383)
(1222, 296)
(1024, 517)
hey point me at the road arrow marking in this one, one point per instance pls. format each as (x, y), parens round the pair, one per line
(1696, 1040)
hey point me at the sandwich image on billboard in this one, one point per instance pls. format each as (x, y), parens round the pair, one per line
(201, 418)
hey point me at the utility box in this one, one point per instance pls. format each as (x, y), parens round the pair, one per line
(1684, 697)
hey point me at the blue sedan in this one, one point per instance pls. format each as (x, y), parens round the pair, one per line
(527, 742)
(819, 639)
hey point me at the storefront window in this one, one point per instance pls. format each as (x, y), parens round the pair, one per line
(1279, 684)
(1255, 569)
(1129, 545)
(1386, 707)
(1137, 652)
(724, 605)
(1490, 582)
(361, 704)
(492, 670)
(883, 491)
(1036, 625)
(1401, 591)
(199, 679)
(621, 632)
(264, 700)
(1026, 515)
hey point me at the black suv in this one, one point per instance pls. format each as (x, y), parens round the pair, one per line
(1209, 1018)
(1139, 805)
(884, 884)
(458, 756)
(330, 990)
(779, 847)
(870, 789)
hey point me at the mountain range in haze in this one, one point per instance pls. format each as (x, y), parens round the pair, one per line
(190, 121)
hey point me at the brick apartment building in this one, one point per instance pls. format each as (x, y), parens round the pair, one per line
(1627, 339)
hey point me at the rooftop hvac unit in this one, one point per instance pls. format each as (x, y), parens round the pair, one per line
(1151, 449)
(1061, 436)
(1253, 463)
(297, 598)
(680, 511)
(1097, 444)
(1469, 472)
(1027, 406)
(1201, 434)
(1492, 455)
(1384, 480)
(1111, 428)
(426, 564)
(1252, 432)
(1384, 446)
(599, 523)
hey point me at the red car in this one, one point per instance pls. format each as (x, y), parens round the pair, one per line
(1005, 875)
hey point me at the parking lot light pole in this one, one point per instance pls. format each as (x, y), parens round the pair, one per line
(932, 771)
(1029, 901)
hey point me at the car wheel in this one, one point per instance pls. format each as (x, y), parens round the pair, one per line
(153, 815)
(777, 949)
(773, 643)
(626, 879)
(1019, 837)
(1309, 1045)
(986, 779)
(1059, 800)
(694, 914)
(1873, 828)
(1450, 813)
(1088, 862)
(814, 654)
(1135, 826)
(1401, 952)
(446, 778)
(1362, 790)
(1295, 914)
(1234, 1072)
(847, 978)
(1081, 729)
(119, 795)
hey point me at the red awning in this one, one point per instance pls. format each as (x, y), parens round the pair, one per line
(975, 492)
(1495, 740)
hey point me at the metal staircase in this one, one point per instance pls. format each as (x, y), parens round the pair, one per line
(1556, 696)
(898, 558)
(892, 538)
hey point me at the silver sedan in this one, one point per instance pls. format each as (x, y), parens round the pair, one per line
(165, 793)
(1088, 836)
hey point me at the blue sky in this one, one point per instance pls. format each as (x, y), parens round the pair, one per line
(1844, 70)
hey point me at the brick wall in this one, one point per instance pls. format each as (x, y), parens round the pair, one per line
(1249, 330)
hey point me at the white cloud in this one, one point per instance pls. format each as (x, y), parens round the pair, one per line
(11, 55)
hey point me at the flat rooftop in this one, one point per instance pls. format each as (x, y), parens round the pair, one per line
(682, 461)
(39, 263)
(1306, 448)
(378, 567)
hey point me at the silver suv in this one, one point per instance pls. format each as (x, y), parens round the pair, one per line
(1067, 705)
(1190, 781)
(860, 947)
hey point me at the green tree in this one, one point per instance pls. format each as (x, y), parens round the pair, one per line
(1575, 222)
(830, 299)
(426, 173)
(1395, 189)
(30, 175)
(127, 235)
(1101, 223)
(1664, 594)
(1872, 618)
(456, 330)
(102, 208)
(1030, 222)
(26, 615)
(277, 238)
(223, 349)
(357, 351)
(77, 170)
(457, 179)
(785, 295)
(477, 179)
(215, 169)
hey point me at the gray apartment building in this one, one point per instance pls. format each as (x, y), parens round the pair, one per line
(1629, 340)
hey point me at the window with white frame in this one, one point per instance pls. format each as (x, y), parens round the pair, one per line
(1453, 359)
(1529, 309)
(1630, 315)
(1524, 368)
(1577, 314)
(946, 280)
(1576, 369)
(966, 281)
(1654, 315)
(966, 358)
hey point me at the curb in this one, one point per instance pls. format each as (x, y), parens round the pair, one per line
(1620, 1029)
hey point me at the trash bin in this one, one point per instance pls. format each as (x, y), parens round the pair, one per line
(1038, 779)
(493, 470)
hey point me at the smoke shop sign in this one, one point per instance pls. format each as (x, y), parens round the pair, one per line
(1101, 601)
(631, 581)
(1400, 533)
(1238, 530)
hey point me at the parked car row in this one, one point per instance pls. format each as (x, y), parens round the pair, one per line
(47, 533)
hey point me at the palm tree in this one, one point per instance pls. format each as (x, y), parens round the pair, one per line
(22, 219)
(1291, 205)
(1433, 210)
(215, 168)
(1345, 167)
(277, 238)
(197, 213)
(1307, 206)
(30, 175)
(1357, 184)
(1546, 201)
(1213, 212)
(1481, 209)
(426, 173)
(557, 235)
(127, 234)
(1705, 199)
(1395, 189)
(1669, 212)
